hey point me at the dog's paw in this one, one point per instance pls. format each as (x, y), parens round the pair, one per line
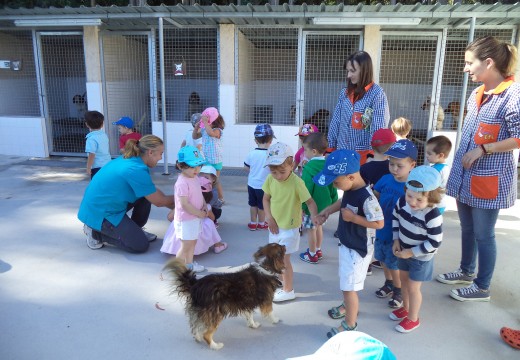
(274, 319)
(216, 346)
(253, 325)
(198, 337)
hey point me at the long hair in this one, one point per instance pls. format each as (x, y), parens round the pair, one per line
(366, 71)
(135, 148)
(503, 54)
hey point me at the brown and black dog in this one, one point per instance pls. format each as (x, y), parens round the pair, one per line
(211, 299)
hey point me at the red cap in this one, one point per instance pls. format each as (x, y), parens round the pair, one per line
(383, 137)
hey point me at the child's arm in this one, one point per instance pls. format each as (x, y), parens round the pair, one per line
(325, 213)
(349, 216)
(211, 215)
(196, 134)
(211, 132)
(313, 209)
(183, 143)
(90, 161)
(273, 226)
(190, 209)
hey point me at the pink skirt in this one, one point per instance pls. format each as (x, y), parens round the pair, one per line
(208, 237)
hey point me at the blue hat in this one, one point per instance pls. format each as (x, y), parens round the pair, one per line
(423, 178)
(264, 130)
(340, 162)
(403, 149)
(125, 121)
(191, 155)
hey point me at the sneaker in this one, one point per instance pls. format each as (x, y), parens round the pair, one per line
(281, 295)
(151, 237)
(92, 243)
(195, 267)
(319, 253)
(377, 264)
(369, 270)
(396, 301)
(399, 314)
(263, 226)
(455, 277)
(308, 258)
(470, 293)
(385, 291)
(220, 248)
(406, 325)
(252, 226)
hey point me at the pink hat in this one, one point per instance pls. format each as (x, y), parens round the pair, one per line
(307, 129)
(205, 184)
(211, 113)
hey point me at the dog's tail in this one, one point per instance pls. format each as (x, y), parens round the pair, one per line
(182, 278)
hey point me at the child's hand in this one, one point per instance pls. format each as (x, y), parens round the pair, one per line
(347, 214)
(319, 219)
(89, 171)
(273, 226)
(171, 215)
(396, 247)
(404, 254)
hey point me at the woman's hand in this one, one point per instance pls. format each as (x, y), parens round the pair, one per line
(469, 158)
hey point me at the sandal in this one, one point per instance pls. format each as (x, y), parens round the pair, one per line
(385, 291)
(333, 331)
(334, 312)
(511, 337)
(220, 248)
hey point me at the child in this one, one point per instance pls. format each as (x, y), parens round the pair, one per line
(125, 126)
(417, 230)
(402, 157)
(96, 144)
(401, 128)
(373, 170)
(360, 214)
(211, 129)
(299, 158)
(437, 151)
(208, 235)
(284, 193)
(255, 164)
(315, 145)
(190, 206)
(209, 172)
(188, 137)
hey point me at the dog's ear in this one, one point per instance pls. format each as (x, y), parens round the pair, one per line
(260, 253)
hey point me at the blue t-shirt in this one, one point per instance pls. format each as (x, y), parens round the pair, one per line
(119, 183)
(390, 191)
(97, 143)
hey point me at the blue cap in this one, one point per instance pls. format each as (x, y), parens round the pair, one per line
(125, 121)
(423, 178)
(191, 155)
(262, 130)
(340, 162)
(402, 149)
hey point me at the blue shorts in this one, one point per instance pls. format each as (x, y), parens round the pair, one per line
(383, 252)
(255, 197)
(418, 270)
(217, 167)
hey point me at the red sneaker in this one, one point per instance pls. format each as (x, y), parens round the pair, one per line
(252, 226)
(320, 254)
(398, 314)
(406, 325)
(263, 226)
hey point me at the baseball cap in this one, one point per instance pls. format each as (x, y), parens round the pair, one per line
(382, 137)
(208, 169)
(125, 121)
(423, 178)
(191, 156)
(340, 162)
(402, 149)
(307, 129)
(351, 345)
(211, 113)
(277, 153)
(194, 118)
(205, 184)
(264, 130)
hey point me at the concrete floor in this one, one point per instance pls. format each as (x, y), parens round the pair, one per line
(61, 300)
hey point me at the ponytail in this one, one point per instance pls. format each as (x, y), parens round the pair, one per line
(135, 148)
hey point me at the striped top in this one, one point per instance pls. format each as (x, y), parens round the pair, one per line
(419, 230)
(353, 124)
(490, 183)
(212, 147)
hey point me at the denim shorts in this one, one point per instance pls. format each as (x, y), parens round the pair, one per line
(383, 252)
(255, 197)
(418, 270)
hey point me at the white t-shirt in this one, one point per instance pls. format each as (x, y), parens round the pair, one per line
(190, 141)
(255, 160)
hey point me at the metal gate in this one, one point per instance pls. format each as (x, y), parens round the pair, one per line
(127, 79)
(322, 63)
(63, 84)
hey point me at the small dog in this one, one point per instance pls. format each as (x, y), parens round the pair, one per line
(214, 297)
(440, 112)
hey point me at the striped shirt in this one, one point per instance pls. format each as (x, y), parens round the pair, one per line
(212, 147)
(490, 183)
(419, 230)
(372, 107)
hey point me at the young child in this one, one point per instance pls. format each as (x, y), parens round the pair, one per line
(360, 214)
(437, 151)
(190, 206)
(188, 137)
(125, 126)
(96, 144)
(208, 236)
(299, 157)
(211, 130)
(417, 232)
(255, 164)
(373, 170)
(401, 128)
(402, 158)
(284, 193)
(315, 145)
(210, 173)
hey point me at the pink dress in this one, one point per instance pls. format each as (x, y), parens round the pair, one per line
(208, 237)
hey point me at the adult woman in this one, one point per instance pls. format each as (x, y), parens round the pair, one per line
(483, 177)
(125, 183)
(362, 108)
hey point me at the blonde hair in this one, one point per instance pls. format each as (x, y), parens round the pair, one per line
(433, 197)
(503, 54)
(288, 162)
(135, 148)
(401, 126)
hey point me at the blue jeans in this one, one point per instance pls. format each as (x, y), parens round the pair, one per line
(478, 238)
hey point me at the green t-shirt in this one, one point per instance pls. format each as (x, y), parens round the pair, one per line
(323, 196)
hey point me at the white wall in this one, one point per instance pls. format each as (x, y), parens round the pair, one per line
(23, 136)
